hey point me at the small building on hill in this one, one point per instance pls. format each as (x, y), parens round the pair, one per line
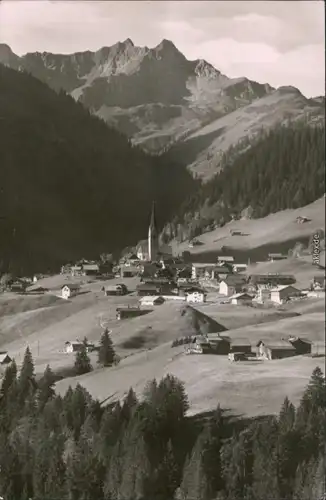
(319, 283)
(70, 290)
(90, 269)
(119, 289)
(271, 279)
(232, 284)
(272, 257)
(130, 312)
(241, 298)
(73, 346)
(275, 349)
(5, 359)
(281, 294)
(151, 300)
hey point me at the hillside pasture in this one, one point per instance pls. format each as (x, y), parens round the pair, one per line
(275, 228)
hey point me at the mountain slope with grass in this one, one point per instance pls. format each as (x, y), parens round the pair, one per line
(283, 169)
(70, 185)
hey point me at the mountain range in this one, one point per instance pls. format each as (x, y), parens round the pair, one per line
(161, 100)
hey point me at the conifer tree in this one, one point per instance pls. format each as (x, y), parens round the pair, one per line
(45, 388)
(82, 360)
(106, 354)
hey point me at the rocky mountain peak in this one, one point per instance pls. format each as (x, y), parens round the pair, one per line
(205, 69)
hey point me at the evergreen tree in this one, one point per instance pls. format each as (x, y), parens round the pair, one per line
(106, 354)
(45, 387)
(26, 380)
(82, 361)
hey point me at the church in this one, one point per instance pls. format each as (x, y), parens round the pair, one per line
(150, 250)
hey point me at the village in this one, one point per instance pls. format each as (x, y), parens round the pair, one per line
(150, 276)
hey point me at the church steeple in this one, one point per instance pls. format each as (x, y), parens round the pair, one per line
(152, 236)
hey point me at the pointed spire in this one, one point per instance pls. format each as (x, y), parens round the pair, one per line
(153, 217)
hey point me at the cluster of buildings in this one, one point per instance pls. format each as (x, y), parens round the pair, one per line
(239, 349)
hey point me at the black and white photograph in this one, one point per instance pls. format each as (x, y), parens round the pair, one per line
(162, 250)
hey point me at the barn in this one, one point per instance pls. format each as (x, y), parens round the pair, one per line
(275, 349)
(241, 299)
(70, 290)
(281, 294)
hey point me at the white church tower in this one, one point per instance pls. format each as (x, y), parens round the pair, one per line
(152, 237)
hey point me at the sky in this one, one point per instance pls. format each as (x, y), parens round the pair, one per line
(275, 42)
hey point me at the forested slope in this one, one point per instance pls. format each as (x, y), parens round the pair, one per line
(70, 185)
(73, 448)
(284, 168)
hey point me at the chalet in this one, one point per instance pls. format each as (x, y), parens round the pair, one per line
(225, 259)
(271, 279)
(272, 257)
(232, 284)
(5, 359)
(129, 271)
(70, 290)
(281, 294)
(196, 296)
(318, 283)
(118, 289)
(18, 286)
(241, 298)
(145, 289)
(130, 312)
(151, 300)
(200, 345)
(302, 346)
(73, 346)
(90, 269)
(240, 345)
(220, 272)
(275, 349)
(200, 270)
(76, 270)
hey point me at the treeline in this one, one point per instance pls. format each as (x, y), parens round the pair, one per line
(283, 168)
(70, 186)
(71, 448)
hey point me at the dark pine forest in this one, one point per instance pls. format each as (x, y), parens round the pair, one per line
(70, 186)
(71, 447)
(283, 168)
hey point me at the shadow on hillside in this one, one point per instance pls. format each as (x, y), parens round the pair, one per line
(186, 152)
